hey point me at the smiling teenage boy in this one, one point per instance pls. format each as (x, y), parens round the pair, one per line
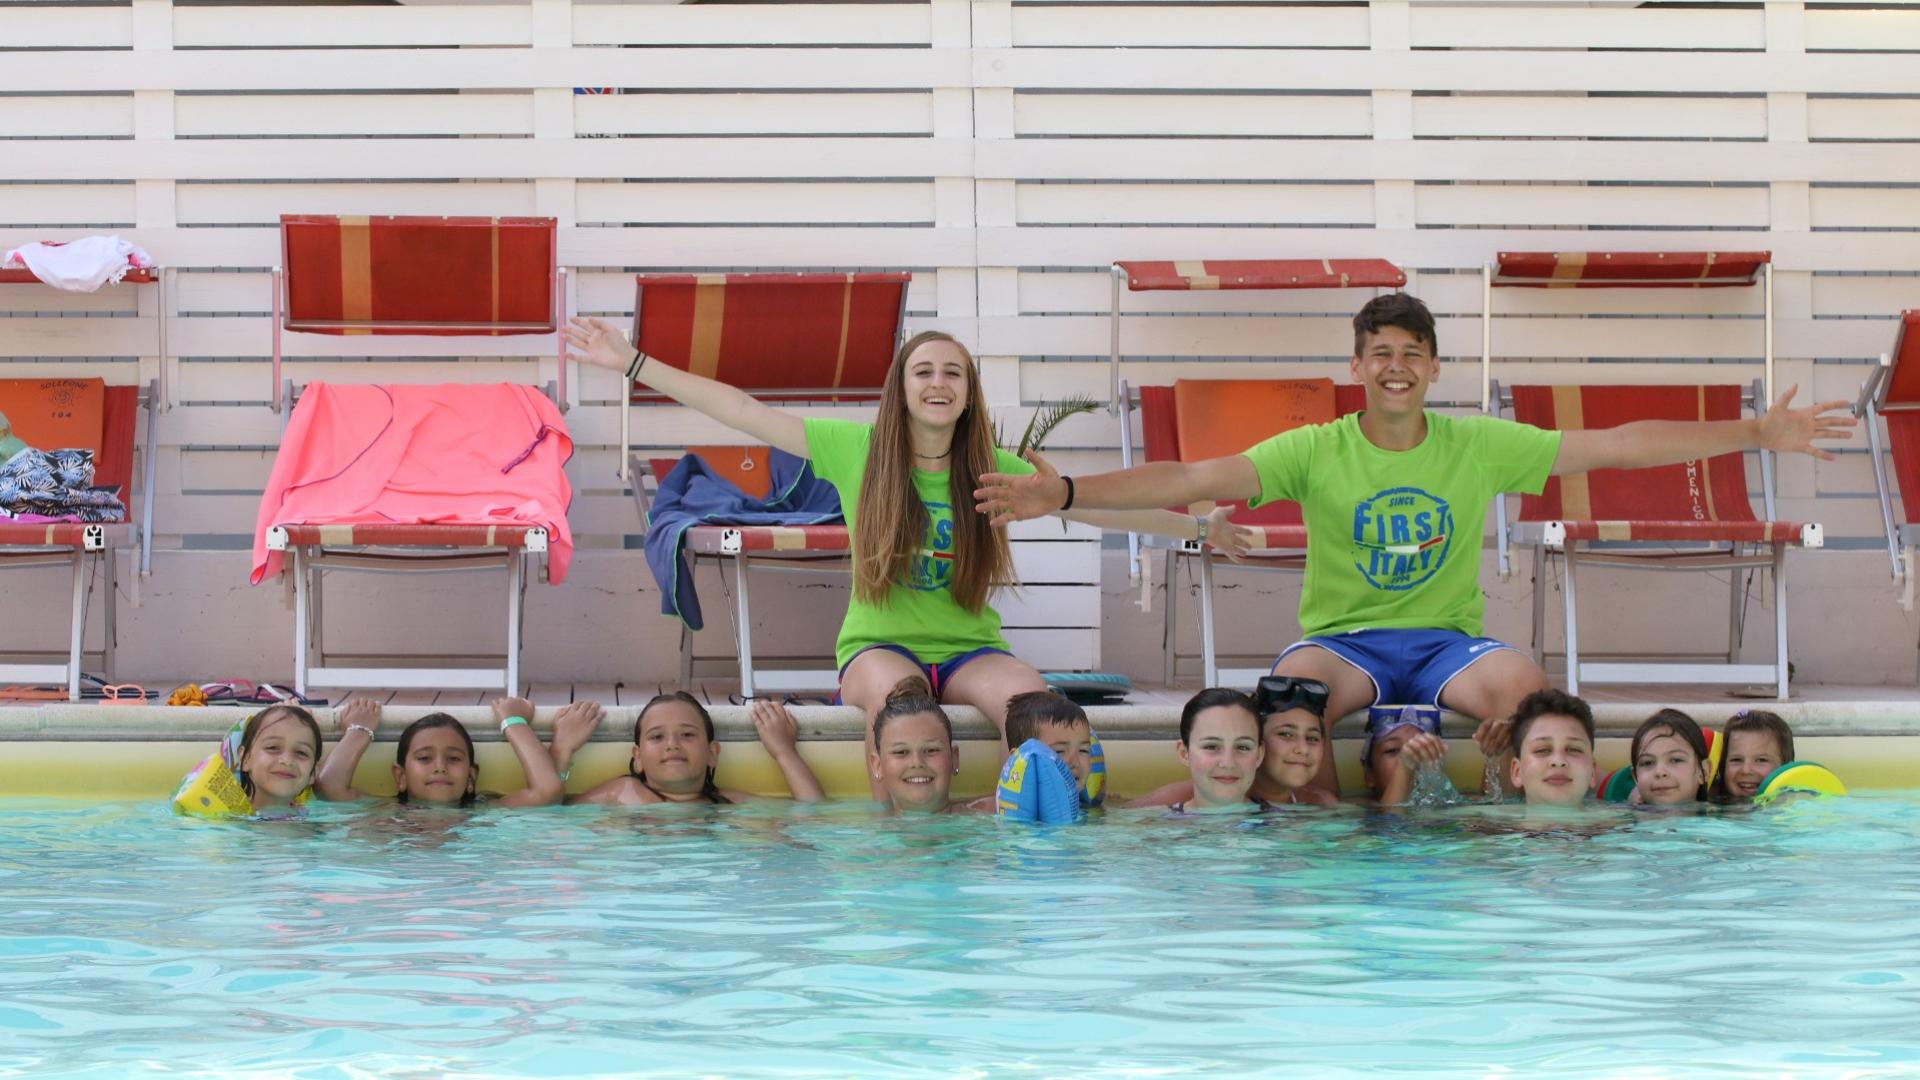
(1395, 500)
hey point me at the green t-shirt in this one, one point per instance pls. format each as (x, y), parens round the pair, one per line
(919, 612)
(1394, 537)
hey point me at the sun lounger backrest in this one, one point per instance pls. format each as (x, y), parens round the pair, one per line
(1710, 490)
(1628, 269)
(349, 274)
(1209, 274)
(814, 336)
(744, 466)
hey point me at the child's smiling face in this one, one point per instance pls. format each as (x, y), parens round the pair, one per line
(1223, 752)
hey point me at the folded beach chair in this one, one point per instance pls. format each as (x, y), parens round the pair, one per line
(1692, 516)
(792, 338)
(1196, 419)
(1892, 393)
(80, 546)
(428, 277)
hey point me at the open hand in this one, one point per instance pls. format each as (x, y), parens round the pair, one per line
(574, 724)
(362, 711)
(1233, 541)
(597, 342)
(1792, 430)
(1008, 498)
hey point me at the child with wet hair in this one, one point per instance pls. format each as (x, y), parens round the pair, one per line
(1552, 734)
(1758, 742)
(1220, 746)
(433, 762)
(1059, 723)
(1670, 761)
(912, 758)
(675, 753)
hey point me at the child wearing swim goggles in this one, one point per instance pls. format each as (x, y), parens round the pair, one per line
(433, 762)
(1670, 760)
(1401, 741)
(1293, 744)
(1758, 742)
(675, 753)
(1552, 734)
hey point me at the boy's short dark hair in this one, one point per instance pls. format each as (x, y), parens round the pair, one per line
(1403, 310)
(1549, 702)
(1027, 711)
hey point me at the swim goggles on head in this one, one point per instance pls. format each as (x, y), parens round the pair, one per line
(1384, 720)
(1278, 693)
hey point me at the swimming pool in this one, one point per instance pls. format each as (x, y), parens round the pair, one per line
(827, 941)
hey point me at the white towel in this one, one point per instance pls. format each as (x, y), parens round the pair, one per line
(81, 265)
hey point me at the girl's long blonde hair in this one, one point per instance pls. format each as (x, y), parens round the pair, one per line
(892, 526)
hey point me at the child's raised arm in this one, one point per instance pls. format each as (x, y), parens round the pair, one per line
(598, 342)
(356, 721)
(777, 731)
(573, 725)
(543, 782)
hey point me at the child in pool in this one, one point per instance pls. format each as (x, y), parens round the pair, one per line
(912, 759)
(1758, 742)
(1292, 744)
(433, 763)
(278, 752)
(675, 753)
(1057, 722)
(1220, 746)
(1669, 760)
(1552, 736)
(1398, 746)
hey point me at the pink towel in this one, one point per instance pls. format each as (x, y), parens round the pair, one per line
(450, 454)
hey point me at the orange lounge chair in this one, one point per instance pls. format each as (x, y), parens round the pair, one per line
(1197, 419)
(1892, 394)
(795, 338)
(424, 277)
(1691, 516)
(82, 546)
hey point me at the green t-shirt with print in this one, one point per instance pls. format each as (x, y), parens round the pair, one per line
(1394, 537)
(919, 612)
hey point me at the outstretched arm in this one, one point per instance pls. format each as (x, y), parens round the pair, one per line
(1646, 443)
(543, 783)
(356, 721)
(1224, 535)
(1160, 484)
(598, 342)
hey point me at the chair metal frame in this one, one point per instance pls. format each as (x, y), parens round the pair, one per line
(1549, 539)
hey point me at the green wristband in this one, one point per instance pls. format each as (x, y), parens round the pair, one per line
(510, 721)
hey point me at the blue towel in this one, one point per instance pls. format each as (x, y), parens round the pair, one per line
(692, 495)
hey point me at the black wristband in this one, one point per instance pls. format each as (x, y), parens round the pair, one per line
(1068, 505)
(639, 361)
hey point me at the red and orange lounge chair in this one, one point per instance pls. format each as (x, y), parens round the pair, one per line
(795, 338)
(82, 547)
(1892, 393)
(439, 277)
(1691, 516)
(1196, 419)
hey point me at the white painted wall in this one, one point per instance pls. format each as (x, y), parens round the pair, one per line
(1006, 153)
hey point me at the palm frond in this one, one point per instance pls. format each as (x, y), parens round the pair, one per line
(1044, 420)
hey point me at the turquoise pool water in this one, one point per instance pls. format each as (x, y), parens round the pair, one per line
(750, 942)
